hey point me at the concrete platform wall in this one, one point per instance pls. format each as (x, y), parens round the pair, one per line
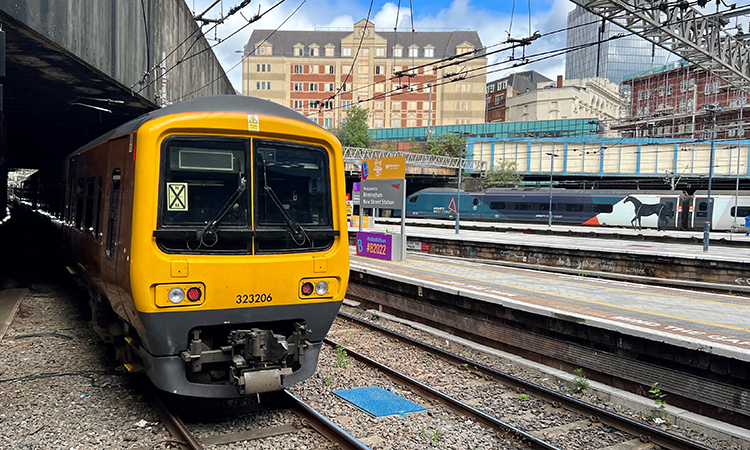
(123, 39)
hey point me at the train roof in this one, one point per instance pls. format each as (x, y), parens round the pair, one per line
(448, 190)
(214, 103)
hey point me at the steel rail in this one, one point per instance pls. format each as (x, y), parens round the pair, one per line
(174, 424)
(633, 427)
(450, 402)
(322, 425)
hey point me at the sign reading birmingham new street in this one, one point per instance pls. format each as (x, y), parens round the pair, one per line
(384, 187)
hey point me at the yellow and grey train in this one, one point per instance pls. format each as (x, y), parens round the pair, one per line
(212, 236)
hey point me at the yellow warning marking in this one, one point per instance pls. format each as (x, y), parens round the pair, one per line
(253, 123)
(177, 199)
(581, 299)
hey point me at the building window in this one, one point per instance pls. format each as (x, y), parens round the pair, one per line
(380, 52)
(331, 87)
(262, 67)
(669, 89)
(331, 70)
(313, 87)
(379, 106)
(313, 68)
(395, 106)
(378, 123)
(298, 68)
(313, 50)
(314, 104)
(661, 91)
(328, 104)
(501, 86)
(346, 51)
(299, 51)
(429, 53)
(490, 88)
(426, 106)
(329, 51)
(346, 104)
(413, 52)
(640, 95)
(380, 87)
(263, 85)
(298, 87)
(398, 52)
(378, 70)
(298, 104)
(412, 106)
(328, 122)
(395, 123)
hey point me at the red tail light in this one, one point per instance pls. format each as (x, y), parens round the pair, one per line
(194, 294)
(307, 288)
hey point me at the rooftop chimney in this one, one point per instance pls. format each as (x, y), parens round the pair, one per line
(559, 81)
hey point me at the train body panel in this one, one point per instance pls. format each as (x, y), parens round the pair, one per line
(723, 216)
(605, 208)
(217, 239)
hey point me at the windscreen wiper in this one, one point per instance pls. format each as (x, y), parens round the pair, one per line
(295, 229)
(208, 230)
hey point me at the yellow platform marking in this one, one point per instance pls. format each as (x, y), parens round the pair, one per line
(595, 302)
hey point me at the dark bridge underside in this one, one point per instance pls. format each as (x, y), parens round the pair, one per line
(42, 85)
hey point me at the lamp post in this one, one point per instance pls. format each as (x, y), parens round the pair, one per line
(709, 212)
(552, 157)
(460, 167)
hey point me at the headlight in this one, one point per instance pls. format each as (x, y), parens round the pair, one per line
(176, 295)
(321, 288)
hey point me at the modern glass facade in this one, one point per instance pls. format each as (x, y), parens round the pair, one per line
(617, 58)
(537, 129)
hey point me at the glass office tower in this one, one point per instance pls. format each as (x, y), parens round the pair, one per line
(616, 58)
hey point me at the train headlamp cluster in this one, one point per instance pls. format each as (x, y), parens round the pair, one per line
(318, 288)
(168, 295)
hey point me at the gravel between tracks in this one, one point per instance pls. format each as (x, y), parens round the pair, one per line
(59, 390)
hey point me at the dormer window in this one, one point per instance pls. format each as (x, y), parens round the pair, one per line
(464, 48)
(413, 51)
(398, 51)
(263, 48)
(429, 52)
(299, 50)
(330, 48)
(314, 50)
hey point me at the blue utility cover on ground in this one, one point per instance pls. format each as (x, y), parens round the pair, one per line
(378, 402)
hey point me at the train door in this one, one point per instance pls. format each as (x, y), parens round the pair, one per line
(668, 216)
(699, 212)
(112, 226)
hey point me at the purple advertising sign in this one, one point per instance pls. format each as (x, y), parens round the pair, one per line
(374, 245)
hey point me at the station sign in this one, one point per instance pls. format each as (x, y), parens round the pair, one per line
(355, 192)
(375, 245)
(384, 168)
(385, 194)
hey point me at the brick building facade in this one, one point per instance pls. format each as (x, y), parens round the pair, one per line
(679, 101)
(396, 75)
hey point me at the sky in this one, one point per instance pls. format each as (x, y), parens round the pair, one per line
(490, 18)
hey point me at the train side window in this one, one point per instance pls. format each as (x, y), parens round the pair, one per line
(574, 207)
(413, 199)
(702, 210)
(497, 205)
(89, 205)
(79, 203)
(742, 211)
(545, 207)
(114, 206)
(98, 219)
(475, 202)
(603, 208)
(522, 206)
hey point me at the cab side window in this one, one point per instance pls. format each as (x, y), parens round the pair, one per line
(114, 207)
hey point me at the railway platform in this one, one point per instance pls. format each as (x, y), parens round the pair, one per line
(674, 257)
(696, 345)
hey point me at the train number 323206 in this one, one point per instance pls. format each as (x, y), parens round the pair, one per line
(253, 298)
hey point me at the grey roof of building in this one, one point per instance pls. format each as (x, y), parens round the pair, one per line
(523, 81)
(444, 42)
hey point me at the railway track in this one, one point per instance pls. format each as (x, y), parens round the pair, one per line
(582, 418)
(308, 416)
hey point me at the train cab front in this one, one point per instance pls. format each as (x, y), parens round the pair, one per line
(243, 273)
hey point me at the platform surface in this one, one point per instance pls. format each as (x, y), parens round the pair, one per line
(713, 323)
